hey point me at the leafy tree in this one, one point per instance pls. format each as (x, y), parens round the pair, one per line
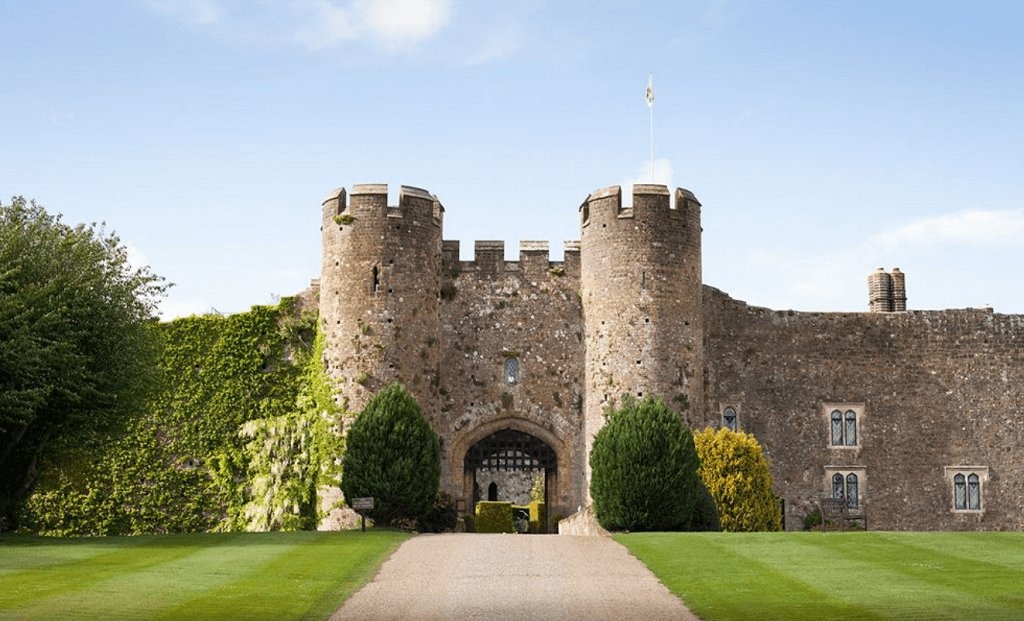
(393, 455)
(735, 471)
(75, 341)
(644, 469)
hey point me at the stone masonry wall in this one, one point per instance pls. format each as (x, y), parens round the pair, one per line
(642, 301)
(938, 389)
(529, 310)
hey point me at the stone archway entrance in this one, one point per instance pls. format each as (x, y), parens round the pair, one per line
(508, 465)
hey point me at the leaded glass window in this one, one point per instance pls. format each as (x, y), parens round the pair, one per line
(837, 428)
(852, 493)
(959, 492)
(838, 488)
(729, 418)
(511, 370)
(973, 492)
(851, 428)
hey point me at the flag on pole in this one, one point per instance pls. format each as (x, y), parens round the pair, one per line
(650, 91)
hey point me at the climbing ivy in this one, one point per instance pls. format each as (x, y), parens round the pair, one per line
(240, 432)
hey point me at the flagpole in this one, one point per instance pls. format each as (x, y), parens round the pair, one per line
(650, 109)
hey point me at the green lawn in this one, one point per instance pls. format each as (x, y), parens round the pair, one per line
(852, 575)
(208, 576)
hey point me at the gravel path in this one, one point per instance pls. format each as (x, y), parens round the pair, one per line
(526, 577)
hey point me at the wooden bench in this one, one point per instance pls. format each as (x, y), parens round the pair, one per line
(835, 512)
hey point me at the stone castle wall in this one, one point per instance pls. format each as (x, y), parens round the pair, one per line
(938, 389)
(642, 302)
(529, 310)
(626, 313)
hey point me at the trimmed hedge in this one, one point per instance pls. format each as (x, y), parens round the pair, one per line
(493, 517)
(538, 517)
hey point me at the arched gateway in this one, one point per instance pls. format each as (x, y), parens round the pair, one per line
(511, 466)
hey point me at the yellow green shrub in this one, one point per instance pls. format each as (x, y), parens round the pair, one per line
(736, 474)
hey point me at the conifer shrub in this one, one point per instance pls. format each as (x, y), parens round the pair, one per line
(736, 473)
(394, 456)
(644, 469)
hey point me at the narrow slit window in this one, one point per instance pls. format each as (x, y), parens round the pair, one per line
(376, 278)
(837, 428)
(852, 491)
(851, 428)
(511, 370)
(838, 487)
(973, 492)
(960, 492)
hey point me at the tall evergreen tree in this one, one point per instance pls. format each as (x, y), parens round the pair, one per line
(644, 469)
(394, 456)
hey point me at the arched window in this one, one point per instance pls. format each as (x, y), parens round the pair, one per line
(973, 492)
(838, 488)
(837, 428)
(967, 484)
(492, 492)
(729, 418)
(843, 428)
(960, 492)
(511, 370)
(852, 493)
(851, 428)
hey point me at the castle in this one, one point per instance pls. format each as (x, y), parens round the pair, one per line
(909, 416)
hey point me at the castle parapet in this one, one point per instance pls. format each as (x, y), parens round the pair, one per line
(489, 259)
(533, 258)
(370, 199)
(489, 256)
(651, 202)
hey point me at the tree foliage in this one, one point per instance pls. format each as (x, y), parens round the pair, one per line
(644, 469)
(76, 341)
(736, 473)
(393, 455)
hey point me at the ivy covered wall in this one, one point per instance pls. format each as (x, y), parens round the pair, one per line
(238, 434)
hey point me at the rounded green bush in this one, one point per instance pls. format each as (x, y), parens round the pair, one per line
(736, 472)
(394, 456)
(644, 469)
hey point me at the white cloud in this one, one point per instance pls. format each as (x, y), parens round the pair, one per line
(973, 227)
(400, 21)
(392, 24)
(662, 174)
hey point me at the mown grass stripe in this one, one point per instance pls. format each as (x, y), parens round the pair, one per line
(718, 580)
(251, 576)
(840, 575)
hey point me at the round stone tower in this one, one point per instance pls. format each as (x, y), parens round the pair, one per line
(642, 302)
(379, 286)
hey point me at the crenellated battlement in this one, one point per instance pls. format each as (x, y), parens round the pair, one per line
(371, 200)
(534, 258)
(650, 202)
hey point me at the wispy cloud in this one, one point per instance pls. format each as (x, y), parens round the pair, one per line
(829, 280)
(391, 26)
(974, 227)
(659, 171)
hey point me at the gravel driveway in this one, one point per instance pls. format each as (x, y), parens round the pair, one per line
(534, 578)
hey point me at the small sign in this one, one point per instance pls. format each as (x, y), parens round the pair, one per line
(362, 504)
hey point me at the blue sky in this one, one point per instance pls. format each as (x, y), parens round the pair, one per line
(824, 139)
